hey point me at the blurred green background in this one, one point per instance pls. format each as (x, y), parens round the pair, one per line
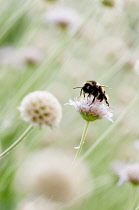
(104, 48)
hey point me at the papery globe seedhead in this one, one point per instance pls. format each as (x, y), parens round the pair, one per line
(41, 108)
(64, 18)
(50, 174)
(91, 111)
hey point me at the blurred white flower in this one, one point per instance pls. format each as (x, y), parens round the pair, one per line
(36, 203)
(91, 111)
(127, 172)
(136, 144)
(64, 17)
(31, 55)
(50, 174)
(133, 173)
(41, 108)
(17, 58)
(119, 169)
(136, 67)
(10, 56)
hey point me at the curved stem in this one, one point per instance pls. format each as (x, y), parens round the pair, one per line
(9, 149)
(108, 131)
(82, 141)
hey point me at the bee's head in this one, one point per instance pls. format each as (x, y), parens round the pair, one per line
(88, 87)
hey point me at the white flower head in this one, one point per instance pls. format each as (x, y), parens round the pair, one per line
(31, 55)
(41, 108)
(136, 67)
(119, 168)
(91, 111)
(50, 174)
(127, 172)
(133, 173)
(136, 144)
(18, 57)
(10, 56)
(64, 17)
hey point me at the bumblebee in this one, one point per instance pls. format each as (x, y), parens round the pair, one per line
(95, 89)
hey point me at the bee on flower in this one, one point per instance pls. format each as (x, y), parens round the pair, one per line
(92, 107)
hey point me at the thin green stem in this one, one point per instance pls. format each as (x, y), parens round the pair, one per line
(82, 141)
(105, 134)
(9, 149)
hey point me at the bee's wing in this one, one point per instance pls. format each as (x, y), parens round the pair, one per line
(103, 85)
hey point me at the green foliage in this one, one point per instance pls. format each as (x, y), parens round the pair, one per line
(104, 49)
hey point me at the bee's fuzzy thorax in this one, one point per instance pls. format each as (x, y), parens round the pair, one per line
(92, 88)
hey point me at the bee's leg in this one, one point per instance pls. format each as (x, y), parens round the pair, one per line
(88, 97)
(106, 99)
(93, 99)
(95, 96)
(81, 92)
(107, 102)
